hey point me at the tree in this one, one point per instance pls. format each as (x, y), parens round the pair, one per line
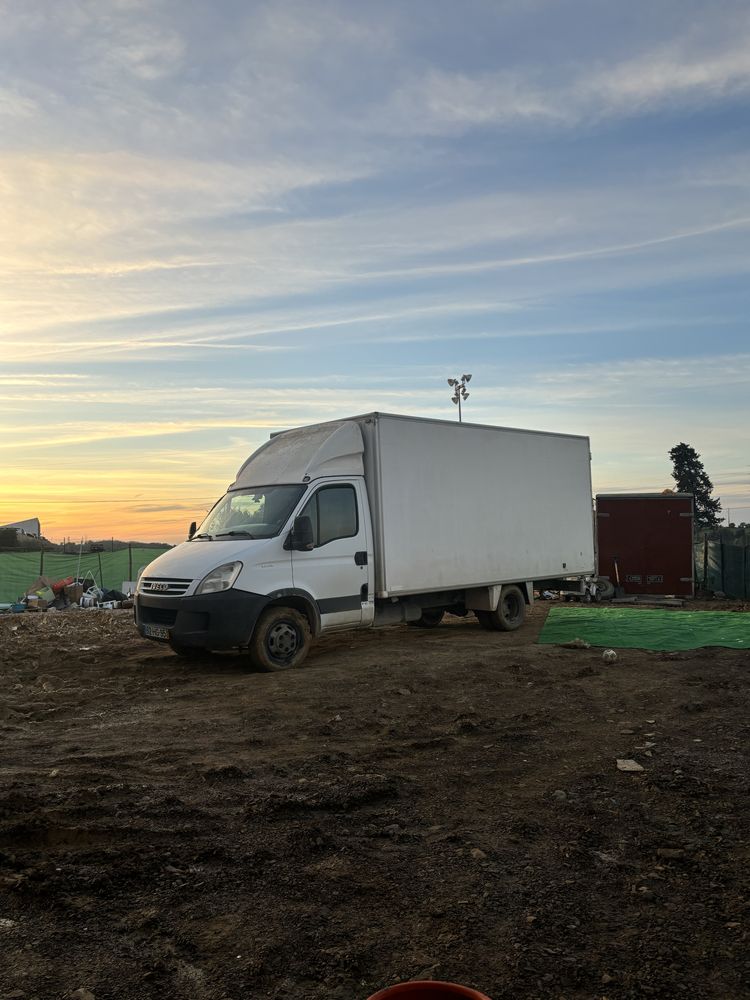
(691, 477)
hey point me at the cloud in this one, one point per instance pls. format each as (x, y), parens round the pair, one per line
(156, 508)
(680, 72)
(670, 74)
(442, 102)
(46, 379)
(16, 105)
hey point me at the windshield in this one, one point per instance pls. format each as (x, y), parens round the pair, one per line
(255, 512)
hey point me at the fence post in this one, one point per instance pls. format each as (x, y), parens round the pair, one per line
(101, 578)
(130, 560)
(705, 562)
(41, 556)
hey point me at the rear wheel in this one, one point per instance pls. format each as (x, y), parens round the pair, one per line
(605, 589)
(430, 618)
(509, 613)
(281, 640)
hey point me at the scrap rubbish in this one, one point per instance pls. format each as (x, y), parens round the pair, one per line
(70, 594)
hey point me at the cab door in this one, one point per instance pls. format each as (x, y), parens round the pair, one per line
(335, 572)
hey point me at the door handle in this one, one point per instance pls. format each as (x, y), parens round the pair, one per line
(360, 558)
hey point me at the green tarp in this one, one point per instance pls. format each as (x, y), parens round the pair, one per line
(644, 628)
(18, 570)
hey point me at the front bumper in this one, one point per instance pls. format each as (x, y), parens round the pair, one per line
(212, 621)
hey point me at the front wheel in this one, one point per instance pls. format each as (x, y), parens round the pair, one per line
(281, 640)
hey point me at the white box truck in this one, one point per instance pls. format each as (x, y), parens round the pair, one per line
(373, 520)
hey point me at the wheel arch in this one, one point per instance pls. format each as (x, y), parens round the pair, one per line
(300, 600)
(527, 589)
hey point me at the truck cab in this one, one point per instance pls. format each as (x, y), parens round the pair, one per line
(273, 564)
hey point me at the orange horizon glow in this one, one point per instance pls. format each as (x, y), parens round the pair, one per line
(82, 521)
(128, 504)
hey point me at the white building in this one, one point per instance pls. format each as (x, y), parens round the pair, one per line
(30, 526)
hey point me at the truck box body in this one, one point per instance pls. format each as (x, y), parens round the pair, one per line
(464, 505)
(651, 537)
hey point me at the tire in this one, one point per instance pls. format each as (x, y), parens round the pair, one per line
(607, 591)
(281, 640)
(509, 613)
(431, 618)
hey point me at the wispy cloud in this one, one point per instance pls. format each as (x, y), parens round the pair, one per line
(162, 507)
(46, 379)
(676, 72)
(690, 70)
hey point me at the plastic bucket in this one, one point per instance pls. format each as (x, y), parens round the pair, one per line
(428, 990)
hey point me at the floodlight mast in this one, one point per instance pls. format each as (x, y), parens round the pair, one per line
(459, 392)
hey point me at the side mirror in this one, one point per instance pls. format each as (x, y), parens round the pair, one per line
(191, 529)
(301, 536)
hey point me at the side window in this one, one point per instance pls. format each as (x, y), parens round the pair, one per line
(333, 513)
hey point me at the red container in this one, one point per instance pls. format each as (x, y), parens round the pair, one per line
(428, 990)
(646, 539)
(60, 586)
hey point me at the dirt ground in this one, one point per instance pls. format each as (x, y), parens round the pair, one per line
(440, 804)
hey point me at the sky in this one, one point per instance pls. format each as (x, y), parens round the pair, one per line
(221, 220)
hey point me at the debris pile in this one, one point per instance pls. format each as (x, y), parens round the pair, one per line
(69, 594)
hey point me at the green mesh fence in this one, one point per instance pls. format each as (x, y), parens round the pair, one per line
(722, 561)
(18, 570)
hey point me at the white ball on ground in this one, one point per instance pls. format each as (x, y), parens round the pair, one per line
(609, 656)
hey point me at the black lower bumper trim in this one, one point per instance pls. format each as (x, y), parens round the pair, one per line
(212, 621)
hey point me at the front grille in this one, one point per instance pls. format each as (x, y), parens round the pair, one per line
(163, 586)
(157, 616)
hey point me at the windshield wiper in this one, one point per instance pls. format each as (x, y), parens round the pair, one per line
(244, 534)
(203, 534)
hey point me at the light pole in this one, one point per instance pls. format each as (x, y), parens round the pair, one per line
(459, 391)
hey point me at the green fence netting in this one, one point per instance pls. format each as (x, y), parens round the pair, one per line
(722, 561)
(18, 570)
(643, 628)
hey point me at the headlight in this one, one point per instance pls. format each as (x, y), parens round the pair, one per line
(220, 578)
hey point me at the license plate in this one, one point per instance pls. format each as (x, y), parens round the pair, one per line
(156, 631)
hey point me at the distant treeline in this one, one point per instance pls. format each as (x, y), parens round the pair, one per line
(11, 541)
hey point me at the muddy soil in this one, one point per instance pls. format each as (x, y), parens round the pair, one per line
(440, 804)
